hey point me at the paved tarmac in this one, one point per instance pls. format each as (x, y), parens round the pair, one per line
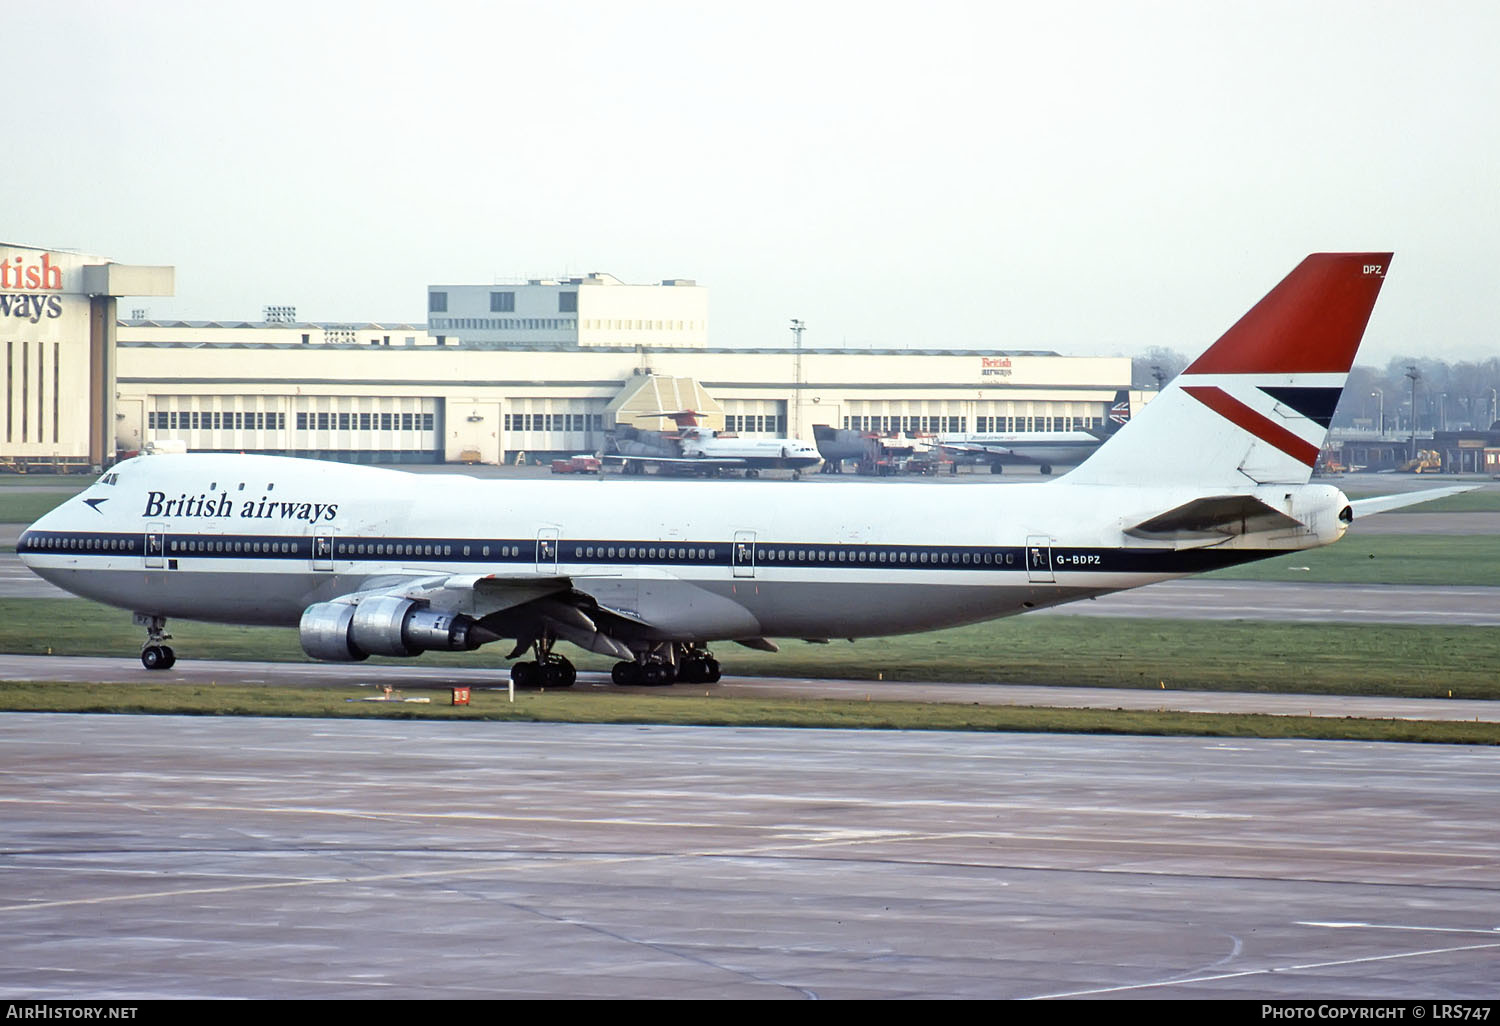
(166, 857)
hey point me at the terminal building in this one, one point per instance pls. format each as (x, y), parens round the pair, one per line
(544, 367)
(58, 327)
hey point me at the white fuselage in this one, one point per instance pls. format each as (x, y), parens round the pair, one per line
(256, 539)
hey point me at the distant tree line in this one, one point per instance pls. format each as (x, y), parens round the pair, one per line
(1449, 396)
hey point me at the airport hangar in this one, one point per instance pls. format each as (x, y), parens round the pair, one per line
(544, 367)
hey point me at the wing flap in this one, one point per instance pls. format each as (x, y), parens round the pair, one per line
(1217, 515)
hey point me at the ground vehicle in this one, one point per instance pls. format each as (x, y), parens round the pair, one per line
(1427, 461)
(580, 464)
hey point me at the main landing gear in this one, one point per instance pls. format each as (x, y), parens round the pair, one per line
(154, 654)
(673, 663)
(549, 671)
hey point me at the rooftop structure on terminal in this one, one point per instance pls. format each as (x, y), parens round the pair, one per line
(593, 310)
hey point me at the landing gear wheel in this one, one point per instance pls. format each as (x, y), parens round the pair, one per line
(1047, 469)
(158, 657)
(559, 673)
(658, 674)
(524, 675)
(996, 468)
(155, 655)
(625, 674)
(700, 670)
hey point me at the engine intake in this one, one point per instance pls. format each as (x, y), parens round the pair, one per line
(384, 625)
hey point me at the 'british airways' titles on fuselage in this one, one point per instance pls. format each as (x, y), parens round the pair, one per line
(266, 508)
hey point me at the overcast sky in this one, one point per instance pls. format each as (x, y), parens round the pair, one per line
(1092, 178)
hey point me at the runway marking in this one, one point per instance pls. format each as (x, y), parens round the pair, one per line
(436, 874)
(979, 805)
(1262, 972)
(1398, 926)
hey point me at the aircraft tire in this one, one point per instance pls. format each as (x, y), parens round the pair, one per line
(1047, 469)
(658, 675)
(524, 675)
(157, 657)
(625, 674)
(996, 468)
(701, 670)
(559, 673)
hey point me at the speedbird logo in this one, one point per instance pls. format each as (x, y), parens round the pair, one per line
(221, 505)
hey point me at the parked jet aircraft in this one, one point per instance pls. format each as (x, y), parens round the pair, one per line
(364, 561)
(1066, 448)
(697, 450)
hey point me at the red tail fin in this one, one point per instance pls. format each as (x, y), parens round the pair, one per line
(1309, 324)
(1256, 407)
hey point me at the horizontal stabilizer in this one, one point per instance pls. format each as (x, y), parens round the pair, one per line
(1218, 514)
(1382, 503)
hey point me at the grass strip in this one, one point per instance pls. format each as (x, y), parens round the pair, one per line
(1415, 661)
(1483, 500)
(1419, 559)
(25, 508)
(682, 709)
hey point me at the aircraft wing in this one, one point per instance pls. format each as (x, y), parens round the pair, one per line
(1383, 503)
(521, 606)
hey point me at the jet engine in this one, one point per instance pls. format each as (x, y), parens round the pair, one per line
(385, 625)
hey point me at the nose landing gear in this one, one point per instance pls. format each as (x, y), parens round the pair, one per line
(154, 654)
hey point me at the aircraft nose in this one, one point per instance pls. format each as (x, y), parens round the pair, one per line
(32, 539)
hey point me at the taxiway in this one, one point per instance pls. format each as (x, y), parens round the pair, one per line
(166, 857)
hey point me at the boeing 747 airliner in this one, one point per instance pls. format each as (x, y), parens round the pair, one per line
(366, 561)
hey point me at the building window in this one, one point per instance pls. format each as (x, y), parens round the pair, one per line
(437, 302)
(567, 302)
(502, 302)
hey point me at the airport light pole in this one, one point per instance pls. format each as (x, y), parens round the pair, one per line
(798, 327)
(1381, 427)
(1413, 374)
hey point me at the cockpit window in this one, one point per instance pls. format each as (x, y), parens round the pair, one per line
(111, 478)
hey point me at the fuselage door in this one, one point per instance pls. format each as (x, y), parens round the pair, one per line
(742, 554)
(156, 546)
(547, 544)
(1039, 559)
(322, 552)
